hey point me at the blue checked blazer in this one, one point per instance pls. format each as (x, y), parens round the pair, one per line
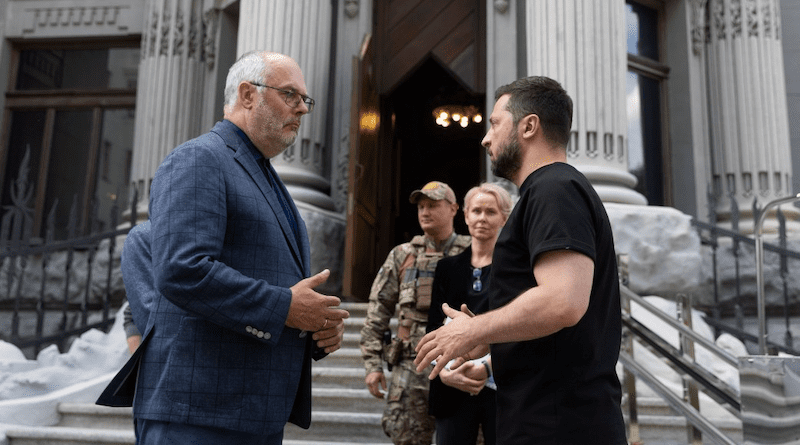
(216, 351)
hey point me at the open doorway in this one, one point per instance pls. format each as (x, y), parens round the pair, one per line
(426, 151)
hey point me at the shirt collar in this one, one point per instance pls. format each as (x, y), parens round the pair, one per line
(253, 150)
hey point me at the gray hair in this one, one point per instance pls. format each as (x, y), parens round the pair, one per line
(250, 67)
(500, 194)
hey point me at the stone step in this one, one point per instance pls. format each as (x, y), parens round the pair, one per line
(351, 340)
(346, 400)
(337, 377)
(84, 436)
(356, 427)
(85, 415)
(58, 435)
(671, 430)
(344, 358)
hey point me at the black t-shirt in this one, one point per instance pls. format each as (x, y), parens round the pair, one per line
(562, 388)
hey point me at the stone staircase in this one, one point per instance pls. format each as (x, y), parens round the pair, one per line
(344, 413)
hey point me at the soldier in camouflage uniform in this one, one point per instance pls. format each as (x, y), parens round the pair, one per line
(405, 280)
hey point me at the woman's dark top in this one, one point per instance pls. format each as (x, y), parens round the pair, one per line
(453, 284)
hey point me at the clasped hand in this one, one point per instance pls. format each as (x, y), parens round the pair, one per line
(451, 341)
(468, 378)
(318, 313)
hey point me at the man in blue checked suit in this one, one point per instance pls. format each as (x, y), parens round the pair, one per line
(226, 354)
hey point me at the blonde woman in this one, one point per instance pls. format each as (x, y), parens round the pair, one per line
(463, 279)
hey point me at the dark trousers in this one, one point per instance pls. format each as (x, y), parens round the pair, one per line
(462, 427)
(154, 432)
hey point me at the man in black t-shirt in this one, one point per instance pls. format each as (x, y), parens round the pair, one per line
(555, 324)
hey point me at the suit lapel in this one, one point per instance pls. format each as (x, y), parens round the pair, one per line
(243, 156)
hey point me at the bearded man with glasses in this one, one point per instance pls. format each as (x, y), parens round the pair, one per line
(226, 353)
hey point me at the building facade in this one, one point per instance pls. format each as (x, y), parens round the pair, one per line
(684, 103)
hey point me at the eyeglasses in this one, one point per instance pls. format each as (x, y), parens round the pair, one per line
(477, 286)
(292, 98)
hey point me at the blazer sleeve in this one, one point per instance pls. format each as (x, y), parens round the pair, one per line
(199, 203)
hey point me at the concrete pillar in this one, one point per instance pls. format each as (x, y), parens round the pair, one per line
(750, 149)
(300, 29)
(581, 43)
(169, 92)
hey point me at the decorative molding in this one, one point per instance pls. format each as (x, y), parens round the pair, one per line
(210, 19)
(738, 18)
(87, 18)
(152, 35)
(351, 8)
(288, 154)
(766, 12)
(178, 27)
(164, 33)
(718, 19)
(305, 151)
(501, 6)
(699, 25)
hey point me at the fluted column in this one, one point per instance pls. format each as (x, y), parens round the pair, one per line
(169, 91)
(300, 29)
(750, 147)
(581, 43)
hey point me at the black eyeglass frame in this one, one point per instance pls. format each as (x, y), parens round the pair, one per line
(290, 96)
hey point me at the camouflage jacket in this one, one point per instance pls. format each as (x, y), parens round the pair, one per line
(395, 288)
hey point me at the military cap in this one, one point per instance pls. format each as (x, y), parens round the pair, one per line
(434, 190)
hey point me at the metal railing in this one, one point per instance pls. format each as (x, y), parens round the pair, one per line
(41, 300)
(712, 235)
(695, 377)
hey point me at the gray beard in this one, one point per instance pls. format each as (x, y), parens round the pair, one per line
(508, 161)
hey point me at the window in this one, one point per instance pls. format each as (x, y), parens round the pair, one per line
(646, 75)
(69, 118)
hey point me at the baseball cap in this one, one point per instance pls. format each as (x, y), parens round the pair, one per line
(435, 190)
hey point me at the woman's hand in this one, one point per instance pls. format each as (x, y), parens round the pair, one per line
(467, 377)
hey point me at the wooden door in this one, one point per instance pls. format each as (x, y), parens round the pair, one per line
(362, 197)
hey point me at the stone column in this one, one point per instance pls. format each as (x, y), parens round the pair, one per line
(300, 29)
(169, 94)
(750, 149)
(581, 43)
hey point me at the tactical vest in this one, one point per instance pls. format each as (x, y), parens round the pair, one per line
(417, 284)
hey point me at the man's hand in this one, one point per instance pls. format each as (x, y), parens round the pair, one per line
(468, 378)
(375, 382)
(330, 338)
(312, 311)
(450, 341)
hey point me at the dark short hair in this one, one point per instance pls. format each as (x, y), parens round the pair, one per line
(545, 98)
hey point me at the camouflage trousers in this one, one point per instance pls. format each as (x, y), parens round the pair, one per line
(405, 419)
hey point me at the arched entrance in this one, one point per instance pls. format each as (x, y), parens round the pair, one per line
(426, 151)
(422, 55)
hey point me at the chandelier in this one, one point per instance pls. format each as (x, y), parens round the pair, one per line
(462, 115)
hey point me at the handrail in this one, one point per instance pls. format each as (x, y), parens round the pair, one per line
(691, 414)
(762, 320)
(718, 390)
(721, 353)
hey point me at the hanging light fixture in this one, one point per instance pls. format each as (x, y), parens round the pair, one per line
(462, 115)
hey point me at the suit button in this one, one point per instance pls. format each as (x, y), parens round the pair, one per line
(303, 334)
(260, 334)
(249, 329)
(267, 335)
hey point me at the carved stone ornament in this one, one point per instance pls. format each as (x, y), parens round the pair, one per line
(51, 20)
(501, 6)
(210, 36)
(351, 8)
(699, 27)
